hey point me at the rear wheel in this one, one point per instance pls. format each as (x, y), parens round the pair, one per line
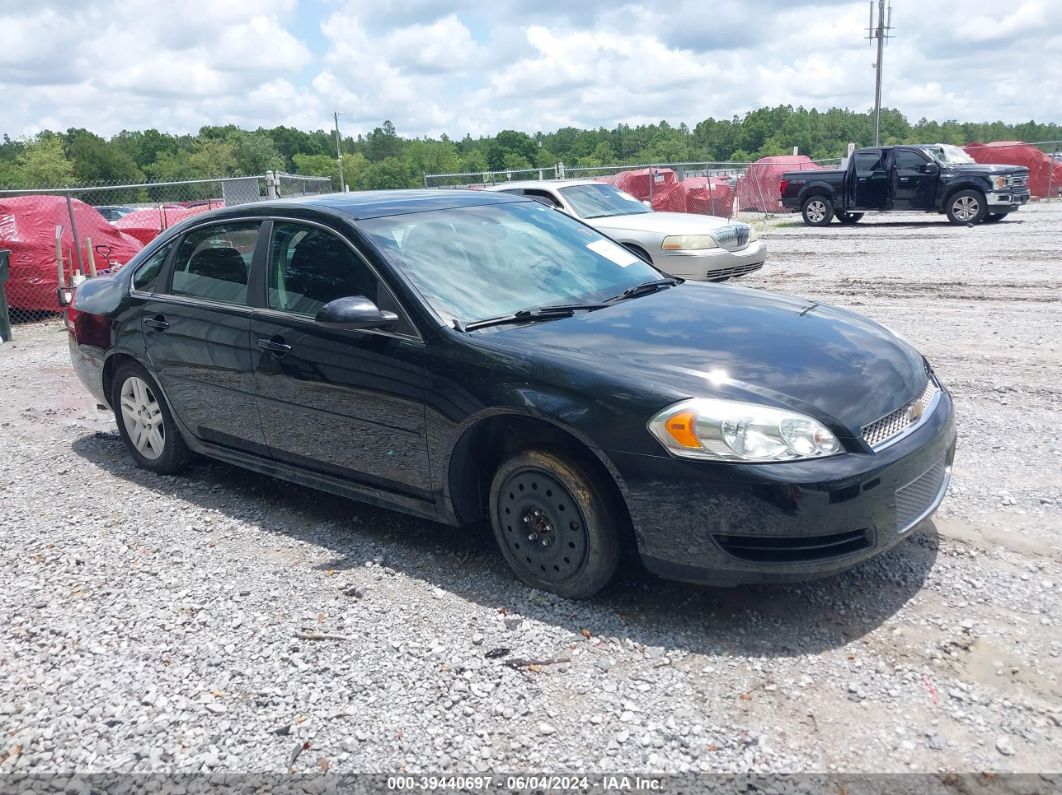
(966, 207)
(992, 218)
(555, 522)
(849, 218)
(817, 211)
(145, 422)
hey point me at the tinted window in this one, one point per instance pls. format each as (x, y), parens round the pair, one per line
(213, 262)
(909, 160)
(545, 197)
(867, 162)
(148, 274)
(601, 201)
(308, 267)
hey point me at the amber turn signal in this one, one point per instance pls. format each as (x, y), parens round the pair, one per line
(681, 427)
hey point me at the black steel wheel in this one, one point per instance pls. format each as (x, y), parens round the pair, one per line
(555, 524)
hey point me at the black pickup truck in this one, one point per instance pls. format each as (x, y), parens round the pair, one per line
(932, 177)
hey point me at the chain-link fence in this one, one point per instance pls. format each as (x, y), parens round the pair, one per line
(720, 188)
(56, 237)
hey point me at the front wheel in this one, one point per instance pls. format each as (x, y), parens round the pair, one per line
(849, 218)
(966, 207)
(144, 421)
(556, 523)
(817, 211)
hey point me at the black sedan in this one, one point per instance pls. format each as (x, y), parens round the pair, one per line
(468, 356)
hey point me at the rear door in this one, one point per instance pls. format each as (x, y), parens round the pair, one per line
(344, 403)
(197, 332)
(913, 189)
(871, 181)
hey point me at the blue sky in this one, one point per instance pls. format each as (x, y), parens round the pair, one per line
(477, 67)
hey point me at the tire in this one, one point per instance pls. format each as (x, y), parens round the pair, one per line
(849, 218)
(994, 218)
(555, 523)
(966, 207)
(145, 422)
(817, 211)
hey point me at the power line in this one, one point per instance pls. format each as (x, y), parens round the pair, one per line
(881, 32)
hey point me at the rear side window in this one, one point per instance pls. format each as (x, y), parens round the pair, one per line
(868, 162)
(147, 275)
(213, 262)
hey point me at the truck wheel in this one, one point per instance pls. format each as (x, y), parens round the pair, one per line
(817, 211)
(966, 207)
(848, 218)
(555, 523)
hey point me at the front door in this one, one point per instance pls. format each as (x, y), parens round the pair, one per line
(344, 403)
(871, 185)
(197, 332)
(913, 188)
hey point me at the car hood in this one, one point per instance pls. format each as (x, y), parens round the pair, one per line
(660, 223)
(701, 340)
(985, 169)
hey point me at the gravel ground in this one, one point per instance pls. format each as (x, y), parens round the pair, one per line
(223, 621)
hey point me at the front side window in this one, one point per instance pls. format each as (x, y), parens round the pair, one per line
(147, 275)
(213, 262)
(308, 267)
(474, 263)
(868, 162)
(908, 160)
(601, 200)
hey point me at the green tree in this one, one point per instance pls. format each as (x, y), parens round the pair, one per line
(42, 163)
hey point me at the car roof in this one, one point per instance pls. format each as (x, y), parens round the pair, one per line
(542, 183)
(359, 205)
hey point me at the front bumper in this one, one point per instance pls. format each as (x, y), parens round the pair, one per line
(727, 524)
(714, 263)
(1006, 199)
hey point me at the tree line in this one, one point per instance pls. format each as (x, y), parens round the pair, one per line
(384, 159)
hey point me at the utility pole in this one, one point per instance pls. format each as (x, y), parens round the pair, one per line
(881, 32)
(339, 153)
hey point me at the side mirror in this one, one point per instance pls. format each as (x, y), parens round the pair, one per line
(930, 168)
(354, 312)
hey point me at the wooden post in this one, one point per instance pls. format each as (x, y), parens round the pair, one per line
(91, 258)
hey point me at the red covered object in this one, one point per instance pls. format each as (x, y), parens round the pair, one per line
(709, 196)
(759, 188)
(667, 193)
(1045, 173)
(145, 225)
(27, 228)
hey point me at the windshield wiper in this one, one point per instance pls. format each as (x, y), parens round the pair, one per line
(532, 315)
(645, 288)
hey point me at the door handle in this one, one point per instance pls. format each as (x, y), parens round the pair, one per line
(158, 322)
(275, 345)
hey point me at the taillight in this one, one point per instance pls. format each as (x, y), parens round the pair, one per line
(783, 185)
(70, 318)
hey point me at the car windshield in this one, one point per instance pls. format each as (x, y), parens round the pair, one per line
(601, 200)
(473, 263)
(949, 155)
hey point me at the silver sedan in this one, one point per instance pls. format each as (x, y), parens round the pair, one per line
(700, 247)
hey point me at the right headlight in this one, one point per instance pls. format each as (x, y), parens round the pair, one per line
(732, 430)
(688, 242)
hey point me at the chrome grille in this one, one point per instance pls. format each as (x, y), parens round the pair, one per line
(733, 237)
(905, 419)
(1019, 181)
(736, 270)
(919, 497)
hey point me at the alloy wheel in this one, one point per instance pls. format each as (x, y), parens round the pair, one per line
(816, 211)
(142, 416)
(966, 208)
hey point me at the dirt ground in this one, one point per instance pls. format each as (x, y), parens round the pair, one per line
(942, 655)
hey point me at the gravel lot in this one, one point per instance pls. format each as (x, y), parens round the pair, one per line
(158, 623)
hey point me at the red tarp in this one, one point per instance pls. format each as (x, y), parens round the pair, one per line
(668, 194)
(760, 187)
(1045, 174)
(27, 228)
(145, 225)
(709, 196)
